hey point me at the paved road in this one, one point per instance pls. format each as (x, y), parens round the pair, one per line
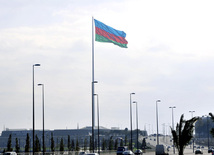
(166, 141)
(187, 151)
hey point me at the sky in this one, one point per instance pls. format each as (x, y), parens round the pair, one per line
(170, 57)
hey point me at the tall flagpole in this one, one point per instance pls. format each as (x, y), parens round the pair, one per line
(93, 84)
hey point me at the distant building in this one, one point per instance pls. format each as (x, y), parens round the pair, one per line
(203, 127)
(202, 131)
(80, 134)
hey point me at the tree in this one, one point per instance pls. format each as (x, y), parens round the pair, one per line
(9, 143)
(111, 143)
(69, 143)
(144, 144)
(130, 145)
(183, 133)
(61, 148)
(72, 145)
(121, 142)
(37, 145)
(126, 140)
(52, 143)
(77, 148)
(17, 146)
(103, 144)
(27, 146)
(95, 144)
(91, 144)
(116, 144)
(85, 144)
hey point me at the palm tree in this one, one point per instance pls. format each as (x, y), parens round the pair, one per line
(183, 133)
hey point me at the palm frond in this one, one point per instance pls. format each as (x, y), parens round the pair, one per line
(211, 116)
(183, 133)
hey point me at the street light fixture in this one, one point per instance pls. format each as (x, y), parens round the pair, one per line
(136, 121)
(33, 108)
(157, 120)
(131, 116)
(173, 127)
(43, 116)
(98, 123)
(192, 113)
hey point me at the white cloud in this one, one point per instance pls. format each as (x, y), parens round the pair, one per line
(169, 57)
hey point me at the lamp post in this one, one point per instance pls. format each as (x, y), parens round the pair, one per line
(131, 116)
(173, 127)
(33, 108)
(193, 134)
(98, 123)
(93, 121)
(136, 121)
(157, 120)
(43, 116)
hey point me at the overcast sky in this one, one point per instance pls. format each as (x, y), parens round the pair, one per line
(170, 56)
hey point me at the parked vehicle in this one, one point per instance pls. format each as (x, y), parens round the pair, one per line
(138, 152)
(10, 153)
(168, 147)
(121, 149)
(82, 153)
(161, 150)
(128, 152)
(198, 151)
(210, 150)
(92, 154)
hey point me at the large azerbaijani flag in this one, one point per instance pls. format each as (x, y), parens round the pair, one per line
(105, 33)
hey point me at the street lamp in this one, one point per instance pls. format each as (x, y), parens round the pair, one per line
(136, 121)
(157, 120)
(93, 109)
(43, 116)
(98, 123)
(173, 127)
(33, 108)
(193, 134)
(131, 116)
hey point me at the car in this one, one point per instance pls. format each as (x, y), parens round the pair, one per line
(10, 153)
(168, 147)
(82, 153)
(121, 149)
(128, 152)
(138, 152)
(161, 150)
(210, 150)
(198, 151)
(92, 154)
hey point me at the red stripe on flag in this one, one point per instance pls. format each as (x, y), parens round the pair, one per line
(110, 36)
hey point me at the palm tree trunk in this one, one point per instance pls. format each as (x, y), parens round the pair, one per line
(181, 152)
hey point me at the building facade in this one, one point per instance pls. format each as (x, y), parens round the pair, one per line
(75, 134)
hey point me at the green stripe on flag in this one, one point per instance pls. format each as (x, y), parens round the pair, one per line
(104, 39)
